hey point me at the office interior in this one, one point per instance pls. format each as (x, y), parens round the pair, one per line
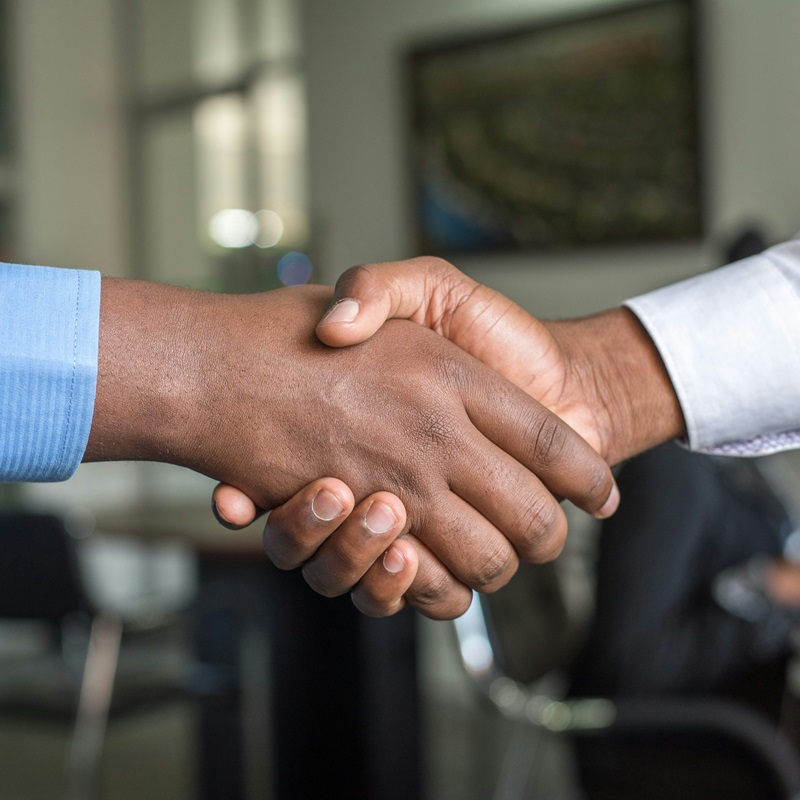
(237, 145)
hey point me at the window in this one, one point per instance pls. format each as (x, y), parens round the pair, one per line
(218, 155)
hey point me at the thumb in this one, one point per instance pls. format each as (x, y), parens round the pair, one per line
(363, 299)
(366, 296)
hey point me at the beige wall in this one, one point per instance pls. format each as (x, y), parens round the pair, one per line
(69, 137)
(751, 108)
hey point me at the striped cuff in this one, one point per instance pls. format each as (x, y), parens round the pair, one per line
(49, 330)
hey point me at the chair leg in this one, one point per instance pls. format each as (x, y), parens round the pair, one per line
(93, 708)
(255, 714)
(517, 771)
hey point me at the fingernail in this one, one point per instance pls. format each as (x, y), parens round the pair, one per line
(611, 505)
(393, 561)
(380, 518)
(326, 505)
(343, 311)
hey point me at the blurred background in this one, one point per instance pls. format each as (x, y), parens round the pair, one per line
(241, 145)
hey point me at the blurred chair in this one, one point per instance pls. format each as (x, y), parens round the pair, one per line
(700, 747)
(652, 735)
(94, 667)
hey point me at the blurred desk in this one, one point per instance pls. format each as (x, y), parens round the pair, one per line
(338, 688)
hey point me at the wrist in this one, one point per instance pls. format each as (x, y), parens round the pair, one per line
(148, 372)
(613, 363)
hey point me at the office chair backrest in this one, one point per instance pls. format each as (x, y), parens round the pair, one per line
(39, 578)
(529, 626)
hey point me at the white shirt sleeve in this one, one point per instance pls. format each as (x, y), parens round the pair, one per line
(730, 340)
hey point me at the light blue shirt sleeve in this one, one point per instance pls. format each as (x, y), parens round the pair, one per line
(49, 331)
(730, 340)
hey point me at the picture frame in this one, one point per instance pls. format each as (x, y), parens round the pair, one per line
(581, 131)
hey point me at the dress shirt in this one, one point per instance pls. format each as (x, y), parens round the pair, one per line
(49, 330)
(730, 340)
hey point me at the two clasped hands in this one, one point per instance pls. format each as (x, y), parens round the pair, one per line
(446, 421)
(495, 513)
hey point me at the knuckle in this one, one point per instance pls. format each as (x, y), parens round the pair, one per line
(542, 530)
(550, 440)
(435, 262)
(454, 607)
(496, 570)
(363, 281)
(438, 428)
(552, 546)
(597, 482)
(440, 269)
(450, 368)
(431, 590)
(408, 479)
(351, 277)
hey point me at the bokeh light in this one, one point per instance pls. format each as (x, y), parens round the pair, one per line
(294, 269)
(270, 228)
(233, 227)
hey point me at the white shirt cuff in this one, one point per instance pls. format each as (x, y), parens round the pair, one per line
(730, 340)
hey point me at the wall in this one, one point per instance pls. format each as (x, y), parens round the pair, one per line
(69, 136)
(751, 111)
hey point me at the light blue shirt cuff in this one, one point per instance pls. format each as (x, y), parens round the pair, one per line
(49, 332)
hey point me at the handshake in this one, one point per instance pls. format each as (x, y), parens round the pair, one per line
(413, 448)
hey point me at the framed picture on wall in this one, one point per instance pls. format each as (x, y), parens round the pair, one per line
(581, 131)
